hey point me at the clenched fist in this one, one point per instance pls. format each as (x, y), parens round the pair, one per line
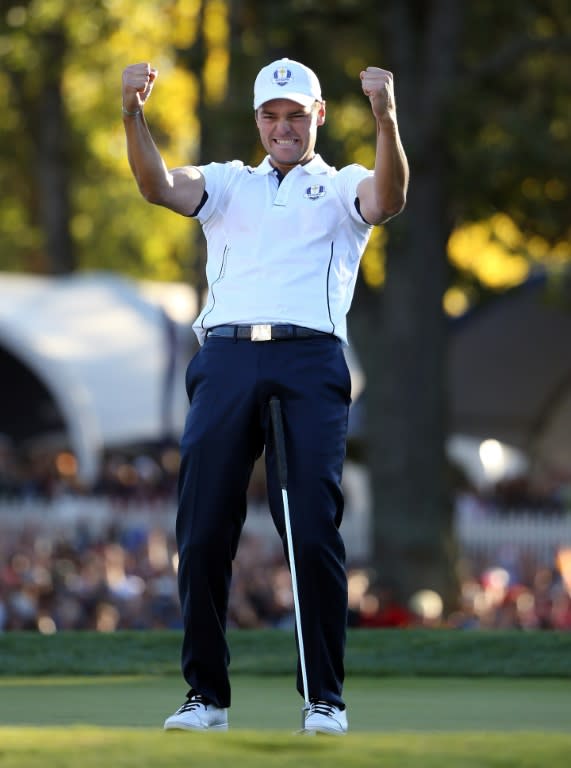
(138, 80)
(378, 86)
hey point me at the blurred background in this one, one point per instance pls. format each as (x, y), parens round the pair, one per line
(458, 471)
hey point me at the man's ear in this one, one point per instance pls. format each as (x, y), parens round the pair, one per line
(321, 110)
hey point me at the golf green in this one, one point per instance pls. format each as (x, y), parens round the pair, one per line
(91, 747)
(266, 703)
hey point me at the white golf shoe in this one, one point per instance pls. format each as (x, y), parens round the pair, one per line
(197, 715)
(323, 717)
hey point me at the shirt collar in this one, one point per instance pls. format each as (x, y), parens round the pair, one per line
(316, 165)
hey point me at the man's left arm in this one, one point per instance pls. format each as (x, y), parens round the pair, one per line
(383, 195)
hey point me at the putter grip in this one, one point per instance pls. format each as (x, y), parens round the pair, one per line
(279, 441)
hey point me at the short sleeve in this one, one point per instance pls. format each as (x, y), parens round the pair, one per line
(218, 178)
(346, 181)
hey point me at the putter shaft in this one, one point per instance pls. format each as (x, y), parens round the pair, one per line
(277, 424)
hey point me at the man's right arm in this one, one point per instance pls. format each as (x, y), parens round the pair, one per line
(180, 189)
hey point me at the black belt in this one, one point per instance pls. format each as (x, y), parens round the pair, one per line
(264, 332)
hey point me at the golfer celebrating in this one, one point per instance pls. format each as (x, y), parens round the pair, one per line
(284, 243)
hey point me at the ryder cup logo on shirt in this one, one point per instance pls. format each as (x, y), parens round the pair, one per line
(282, 76)
(315, 191)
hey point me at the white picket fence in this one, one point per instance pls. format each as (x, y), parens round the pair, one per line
(488, 536)
(497, 535)
(95, 513)
(63, 516)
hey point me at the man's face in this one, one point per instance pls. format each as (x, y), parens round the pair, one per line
(288, 131)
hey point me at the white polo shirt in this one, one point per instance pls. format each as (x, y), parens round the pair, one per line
(281, 253)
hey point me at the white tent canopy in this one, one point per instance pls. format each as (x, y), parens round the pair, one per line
(110, 351)
(104, 347)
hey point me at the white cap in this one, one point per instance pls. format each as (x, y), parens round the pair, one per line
(286, 79)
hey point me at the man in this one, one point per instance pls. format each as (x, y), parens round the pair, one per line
(284, 243)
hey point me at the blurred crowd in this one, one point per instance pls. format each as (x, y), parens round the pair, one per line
(43, 472)
(121, 573)
(125, 578)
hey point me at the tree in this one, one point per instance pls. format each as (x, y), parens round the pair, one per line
(482, 92)
(444, 71)
(451, 88)
(405, 356)
(461, 70)
(36, 96)
(68, 198)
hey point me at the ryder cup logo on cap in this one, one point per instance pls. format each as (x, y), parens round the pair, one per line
(286, 79)
(282, 76)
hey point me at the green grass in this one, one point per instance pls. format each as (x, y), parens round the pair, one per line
(268, 703)
(430, 699)
(93, 747)
(272, 652)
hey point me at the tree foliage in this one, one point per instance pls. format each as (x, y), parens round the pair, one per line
(482, 90)
(61, 62)
(90, 43)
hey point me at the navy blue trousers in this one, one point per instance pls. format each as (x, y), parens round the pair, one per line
(229, 384)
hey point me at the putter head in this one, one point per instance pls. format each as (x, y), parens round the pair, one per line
(303, 731)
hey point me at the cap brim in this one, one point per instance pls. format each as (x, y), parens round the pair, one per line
(298, 98)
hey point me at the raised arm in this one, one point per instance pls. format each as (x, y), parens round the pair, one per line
(384, 194)
(180, 189)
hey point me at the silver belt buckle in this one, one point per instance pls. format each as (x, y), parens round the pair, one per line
(261, 332)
